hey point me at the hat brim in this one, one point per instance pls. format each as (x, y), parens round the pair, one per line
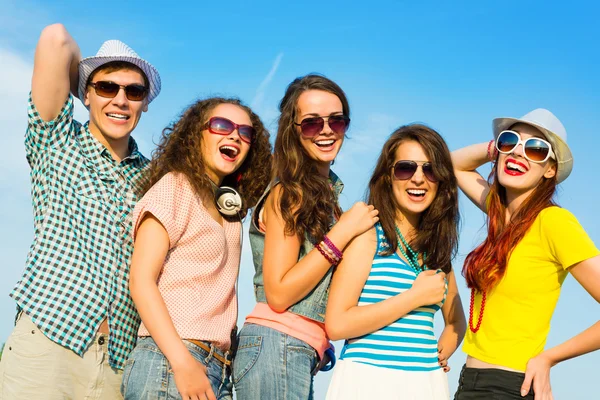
(90, 64)
(561, 149)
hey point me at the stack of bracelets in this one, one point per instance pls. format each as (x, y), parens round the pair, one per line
(329, 251)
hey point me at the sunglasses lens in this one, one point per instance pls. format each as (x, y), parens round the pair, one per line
(106, 89)
(338, 123)
(246, 133)
(404, 170)
(135, 92)
(536, 150)
(507, 141)
(312, 126)
(221, 126)
(428, 172)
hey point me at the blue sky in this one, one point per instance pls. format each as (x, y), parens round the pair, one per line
(452, 65)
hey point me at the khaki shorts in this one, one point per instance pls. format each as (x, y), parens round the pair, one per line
(34, 367)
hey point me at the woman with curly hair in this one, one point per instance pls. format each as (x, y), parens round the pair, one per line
(296, 245)
(516, 274)
(186, 255)
(397, 275)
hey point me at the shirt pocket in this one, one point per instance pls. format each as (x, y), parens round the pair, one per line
(93, 188)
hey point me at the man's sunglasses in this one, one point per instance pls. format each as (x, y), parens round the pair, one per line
(223, 126)
(312, 126)
(405, 169)
(133, 92)
(534, 149)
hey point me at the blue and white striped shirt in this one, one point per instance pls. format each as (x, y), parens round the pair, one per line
(409, 343)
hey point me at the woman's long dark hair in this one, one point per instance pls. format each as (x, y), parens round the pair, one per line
(306, 201)
(179, 150)
(437, 231)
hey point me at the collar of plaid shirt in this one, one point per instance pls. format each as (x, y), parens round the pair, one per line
(77, 268)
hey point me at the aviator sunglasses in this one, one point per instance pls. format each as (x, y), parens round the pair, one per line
(223, 126)
(405, 169)
(312, 126)
(133, 92)
(534, 149)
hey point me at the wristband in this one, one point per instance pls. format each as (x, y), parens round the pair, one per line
(491, 151)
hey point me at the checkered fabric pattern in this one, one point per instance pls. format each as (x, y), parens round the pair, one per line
(77, 269)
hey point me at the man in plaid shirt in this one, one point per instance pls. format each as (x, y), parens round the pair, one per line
(76, 322)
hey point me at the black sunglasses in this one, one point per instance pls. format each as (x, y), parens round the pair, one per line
(405, 169)
(312, 126)
(109, 90)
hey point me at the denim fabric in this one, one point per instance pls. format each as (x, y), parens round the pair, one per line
(490, 384)
(148, 375)
(313, 305)
(272, 365)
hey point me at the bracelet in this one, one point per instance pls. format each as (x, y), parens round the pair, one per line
(333, 255)
(491, 156)
(330, 253)
(333, 248)
(324, 254)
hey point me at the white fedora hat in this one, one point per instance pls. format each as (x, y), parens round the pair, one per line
(115, 50)
(553, 130)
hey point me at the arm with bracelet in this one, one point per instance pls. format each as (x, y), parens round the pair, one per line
(287, 279)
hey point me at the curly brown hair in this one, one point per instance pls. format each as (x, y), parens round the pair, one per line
(437, 232)
(179, 150)
(306, 201)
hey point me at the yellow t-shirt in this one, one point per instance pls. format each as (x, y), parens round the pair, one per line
(517, 314)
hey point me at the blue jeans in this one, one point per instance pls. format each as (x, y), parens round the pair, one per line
(148, 375)
(272, 365)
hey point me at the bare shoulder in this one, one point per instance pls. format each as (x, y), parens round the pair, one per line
(363, 245)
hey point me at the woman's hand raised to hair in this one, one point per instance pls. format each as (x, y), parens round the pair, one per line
(430, 287)
(358, 219)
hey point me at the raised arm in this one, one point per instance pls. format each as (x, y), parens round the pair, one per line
(288, 280)
(55, 70)
(465, 162)
(345, 319)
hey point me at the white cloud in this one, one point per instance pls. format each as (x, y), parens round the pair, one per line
(14, 93)
(260, 91)
(13, 114)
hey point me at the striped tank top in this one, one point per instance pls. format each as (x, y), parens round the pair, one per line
(409, 343)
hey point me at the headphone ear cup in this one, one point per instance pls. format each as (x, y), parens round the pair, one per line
(228, 201)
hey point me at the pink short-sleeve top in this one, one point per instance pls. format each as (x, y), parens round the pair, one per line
(197, 281)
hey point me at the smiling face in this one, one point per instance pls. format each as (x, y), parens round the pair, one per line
(113, 119)
(224, 154)
(516, 173)
(324, 146)
(414, 195)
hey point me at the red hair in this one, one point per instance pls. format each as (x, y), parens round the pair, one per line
(486, 265)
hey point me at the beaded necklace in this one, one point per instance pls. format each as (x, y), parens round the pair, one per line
(413, 259)
(471, 313)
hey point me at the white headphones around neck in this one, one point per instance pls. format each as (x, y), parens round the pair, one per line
(228, 200)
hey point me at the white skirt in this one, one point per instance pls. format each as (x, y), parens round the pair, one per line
(357, 381)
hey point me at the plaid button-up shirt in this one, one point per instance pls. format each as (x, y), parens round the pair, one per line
(77, 269)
